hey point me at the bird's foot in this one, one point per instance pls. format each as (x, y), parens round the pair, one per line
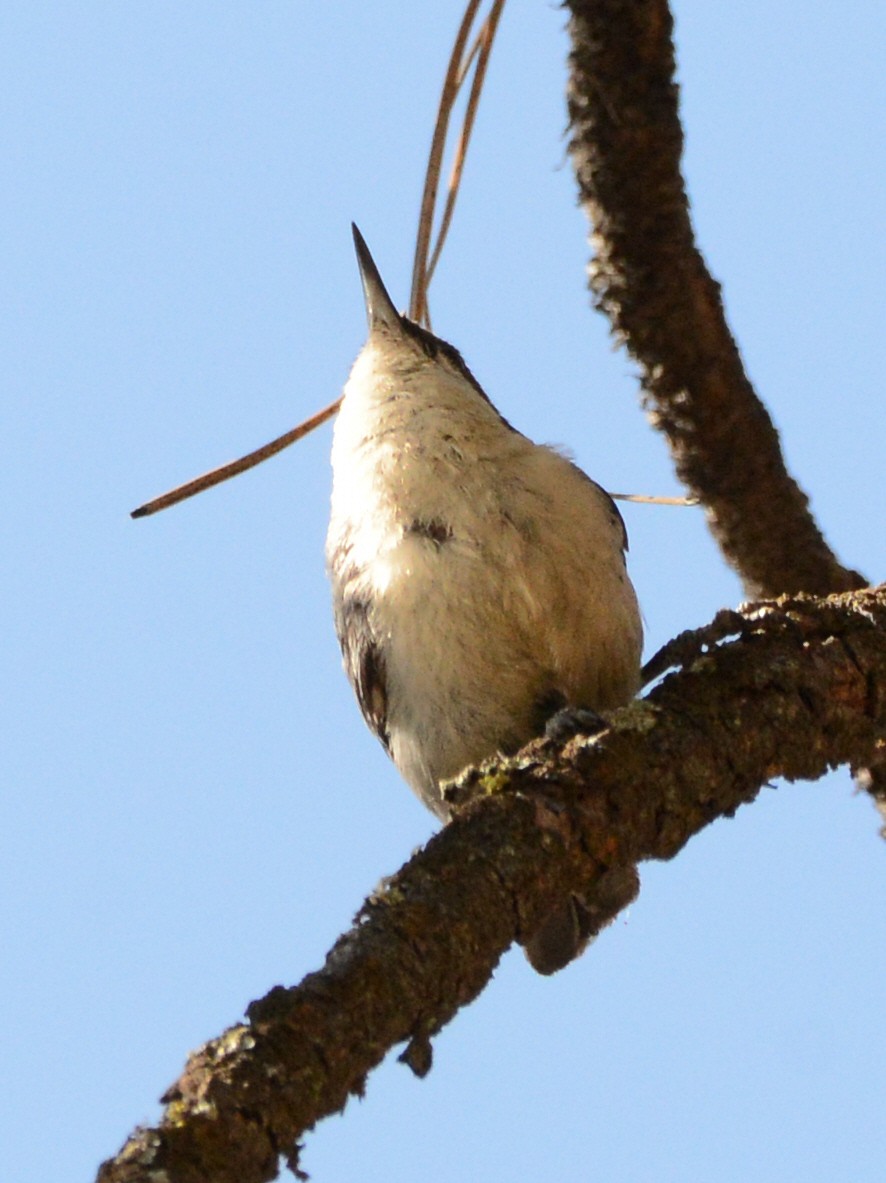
(572, 721)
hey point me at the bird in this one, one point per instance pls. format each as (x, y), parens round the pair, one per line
(479, 579)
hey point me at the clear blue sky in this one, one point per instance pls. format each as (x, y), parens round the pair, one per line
(192, 807)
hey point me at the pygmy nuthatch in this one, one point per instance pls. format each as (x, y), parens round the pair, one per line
(478, 578)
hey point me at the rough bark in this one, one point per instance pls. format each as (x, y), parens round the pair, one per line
(789, 688)
(649, 278)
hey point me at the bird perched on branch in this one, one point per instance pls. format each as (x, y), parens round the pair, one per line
(478, 578)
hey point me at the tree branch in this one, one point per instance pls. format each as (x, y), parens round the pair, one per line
(650, 279)
(798, 688)
(789, 689)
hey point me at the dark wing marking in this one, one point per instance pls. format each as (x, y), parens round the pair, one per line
(364, 664)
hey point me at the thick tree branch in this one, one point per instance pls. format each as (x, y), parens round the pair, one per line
(651, 281)
(790, 688)
(785, 689)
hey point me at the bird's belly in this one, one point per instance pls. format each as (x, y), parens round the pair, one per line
(471, 653)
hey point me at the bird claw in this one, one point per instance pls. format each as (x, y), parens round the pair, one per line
(572, 721)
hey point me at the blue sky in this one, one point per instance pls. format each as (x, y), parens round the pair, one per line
(192, 807)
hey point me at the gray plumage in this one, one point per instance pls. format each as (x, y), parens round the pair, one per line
(478, 578)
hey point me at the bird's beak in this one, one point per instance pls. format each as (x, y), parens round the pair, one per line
(380, 310)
